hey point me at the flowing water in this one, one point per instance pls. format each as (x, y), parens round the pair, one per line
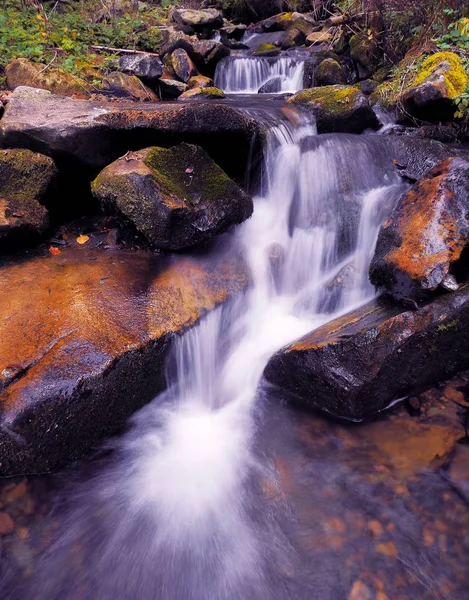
(187, 507)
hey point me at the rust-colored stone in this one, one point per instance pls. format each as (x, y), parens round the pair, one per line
(6, 524)
(84, 336)
(425, 234)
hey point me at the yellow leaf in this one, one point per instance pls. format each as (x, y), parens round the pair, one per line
(82, 239)
(39, 17)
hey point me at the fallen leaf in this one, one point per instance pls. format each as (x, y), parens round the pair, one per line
(190, 170)
(82, 239)
(54, 250)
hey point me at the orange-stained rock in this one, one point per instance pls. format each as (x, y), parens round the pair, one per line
(359, 364)
(83, 342)
(183, 65)
(425, 234)
(122, 85)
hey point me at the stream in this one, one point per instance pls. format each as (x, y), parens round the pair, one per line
(218, 490)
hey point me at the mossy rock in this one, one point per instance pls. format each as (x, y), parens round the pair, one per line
(25, 179)
(202, 93)
(338, 108)
(424, 88)
(22, 72)
(176, 198)
(366, 52)
(266, 50)
(183, 65)
(330, 72)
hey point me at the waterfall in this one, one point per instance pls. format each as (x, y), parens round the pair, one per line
(176, 514)
(247, 75)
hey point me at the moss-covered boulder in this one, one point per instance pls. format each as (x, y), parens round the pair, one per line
(366, 52)
(439, 80)
(426, 233)
(337, 108)
(183, 65)
(202, 93)
(361, 363)
(330, 72)
(210, 18)
(22, 72)
(121, 85)
(25, 179)
(424, 89)
(176, 198)
(266, 50)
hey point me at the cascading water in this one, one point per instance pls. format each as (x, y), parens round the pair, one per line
(247, 75)
(177, 514)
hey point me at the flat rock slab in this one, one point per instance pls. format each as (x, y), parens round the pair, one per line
(93, 134)
(359, 364)
(83, 342)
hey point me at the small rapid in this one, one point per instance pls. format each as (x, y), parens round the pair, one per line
(177, 512)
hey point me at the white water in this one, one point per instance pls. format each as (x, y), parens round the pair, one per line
(242, 75)
(175, 517)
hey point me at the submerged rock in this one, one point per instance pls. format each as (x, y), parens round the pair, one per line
(93, 134)
(357, 365)
(25, 178)
(128, 86)
(147, 67)
(85, 336)
(176, 198)
(338, 108)
(425, 234)
(22, 72)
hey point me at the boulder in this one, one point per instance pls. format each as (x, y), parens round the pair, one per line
(273, 86)
(210, 18)
(25, 179)
(266, 50)
(183, 65)
(176, 198)
(295, 36)
(172, 40)
(425, 234)
(234, 31)
(338, 108)
(22, 72)
(200, 81)
(202, 93)
(172, 88)
(207, 54)
(330, 72)
(439, 80)
(366, 52)
(147, 67)
(93, 134)
(85, 336)
(359, 364)
(121, 85)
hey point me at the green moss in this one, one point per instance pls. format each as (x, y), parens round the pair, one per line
(455, 76)
(266, 50)
(332, 98)
(24, 174)
(448, 326)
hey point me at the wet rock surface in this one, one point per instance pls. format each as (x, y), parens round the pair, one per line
(425, 234)
(85, 335)
(176, 198)
(25, 180)
(337, 108)
(93, 134)
(359, 364)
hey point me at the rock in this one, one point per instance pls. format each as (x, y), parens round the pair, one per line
(439, 80)
(202, 93)
(172, 40)
(425, 234)
(338, 108)
(6, 524)
(207, 54)
(266, 50)
(318, 37)
(200, 81)
(183, 65)
(128, 86)
(85, 337)
(25, 179)
(93, 134)
(234, 31)
(22, 72)
(176, 198)
(295, 36)
(273, 86)
(147, 67)
(458, 473)
(359, 364)
(172, 88)
(282, 22)
(366, 52)
(330, 72)
(199, 19)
